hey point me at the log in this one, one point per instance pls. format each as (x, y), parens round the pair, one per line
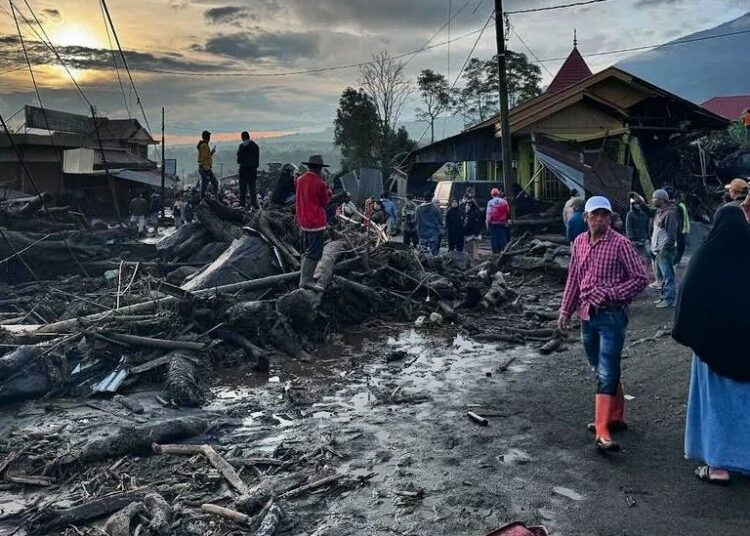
(139, 308)
(186, 382)
(91, 510)
(256, 353)
(161, 344)
(226, 513)
(324, 270)
(216, 460)
(160, 512)
(271, 521)
(120, 522)
(129, 439)
(312, 486)
(219, 229)
(264, 228)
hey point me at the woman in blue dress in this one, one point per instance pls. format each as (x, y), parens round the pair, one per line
(711, 319)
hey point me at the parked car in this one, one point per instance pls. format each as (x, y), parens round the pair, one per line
(447, 190)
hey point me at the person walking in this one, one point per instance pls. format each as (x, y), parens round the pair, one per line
(248, 158)
(576, 223)
(497, 220)
(473, 226)
(409, 219)
(604, 276)
(138, 211)
(429, 225)
(313, 196)
(570, 204)
(205, 164)
(711, 319)
(455, 220)
(683, 217)
(636, 229)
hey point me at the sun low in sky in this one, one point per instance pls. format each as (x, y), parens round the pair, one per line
(75, 35)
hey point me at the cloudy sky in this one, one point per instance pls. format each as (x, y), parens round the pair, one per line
(233, 58)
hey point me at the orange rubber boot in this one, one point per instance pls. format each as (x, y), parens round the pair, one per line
(618, 410)
(604, 408)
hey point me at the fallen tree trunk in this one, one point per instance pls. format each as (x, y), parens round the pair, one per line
(91, 510)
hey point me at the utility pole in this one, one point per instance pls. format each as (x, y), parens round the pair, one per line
(507, 152)
(163, 171)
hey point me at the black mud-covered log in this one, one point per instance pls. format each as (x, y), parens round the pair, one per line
(186, 382)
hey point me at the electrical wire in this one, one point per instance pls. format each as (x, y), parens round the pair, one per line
(114, 63)
(513, 30)
(434, 35)
(127, 68)
(551, 8)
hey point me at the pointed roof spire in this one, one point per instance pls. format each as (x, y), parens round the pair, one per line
(572, 71)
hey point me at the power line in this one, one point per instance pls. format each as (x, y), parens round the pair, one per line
(114, 63)
(513, 29)
(125, 63)
(646, 47)
(447, 24)
(550, 8)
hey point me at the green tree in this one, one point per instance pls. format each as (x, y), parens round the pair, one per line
(436, 97)
(399, 145)
(357, 130)
(478, 99)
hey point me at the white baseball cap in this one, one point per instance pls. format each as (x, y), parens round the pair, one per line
(598, 202)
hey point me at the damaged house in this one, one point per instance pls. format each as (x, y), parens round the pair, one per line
(598, 133)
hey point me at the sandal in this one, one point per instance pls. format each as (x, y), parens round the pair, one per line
(703, 473)
(607, 445)
(614, 427)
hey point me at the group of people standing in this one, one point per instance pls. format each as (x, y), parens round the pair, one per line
(248, 160)
(606, 273)
(462, 225)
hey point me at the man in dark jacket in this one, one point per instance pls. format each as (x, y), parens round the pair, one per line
(283, 190)
(576, 223)
(454, 225)
(429, 225)
(409, 218)
(248, 157)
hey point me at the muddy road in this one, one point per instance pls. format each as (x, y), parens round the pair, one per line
(385, 409)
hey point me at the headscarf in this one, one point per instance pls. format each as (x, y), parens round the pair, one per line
(711, 313)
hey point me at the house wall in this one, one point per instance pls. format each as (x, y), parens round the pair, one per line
(43, 163)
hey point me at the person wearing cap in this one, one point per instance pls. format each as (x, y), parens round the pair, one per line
(666, 226)
(312, 197)
(497, 220)
(604, 275)
(736, 192)
(206, 162)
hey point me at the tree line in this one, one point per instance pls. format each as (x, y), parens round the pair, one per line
(365, 128)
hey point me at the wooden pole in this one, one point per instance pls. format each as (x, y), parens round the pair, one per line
(163, 171)
(507, 152)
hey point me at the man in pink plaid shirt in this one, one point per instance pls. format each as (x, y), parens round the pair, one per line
(604, 275)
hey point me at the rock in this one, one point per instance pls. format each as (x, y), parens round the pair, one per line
(436, 318)
(419, 322)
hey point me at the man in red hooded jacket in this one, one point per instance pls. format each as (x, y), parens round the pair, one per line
(313, 195)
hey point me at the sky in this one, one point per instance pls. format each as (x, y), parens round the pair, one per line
(214, 46)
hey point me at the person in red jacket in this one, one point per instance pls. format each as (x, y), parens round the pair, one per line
(313, 195)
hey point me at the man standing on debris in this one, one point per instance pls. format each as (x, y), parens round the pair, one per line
(497, 220)
(409, 221)
(454, 226)
(313, 196)
(248, 157)
(138, 210)
(604, 276)
(206, 163)
(283, 190)
(429, 225)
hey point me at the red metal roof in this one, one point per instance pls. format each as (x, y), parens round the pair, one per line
(572, 71)
(728, 107)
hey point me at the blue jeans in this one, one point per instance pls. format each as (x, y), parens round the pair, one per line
(498, 236)
(665, 262)
(603, 337)
(431, 244)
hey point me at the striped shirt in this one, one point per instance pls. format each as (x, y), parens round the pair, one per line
(609, 272)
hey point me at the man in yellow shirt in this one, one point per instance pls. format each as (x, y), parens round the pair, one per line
(205, 163)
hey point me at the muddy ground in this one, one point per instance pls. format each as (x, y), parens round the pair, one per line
(386, 405)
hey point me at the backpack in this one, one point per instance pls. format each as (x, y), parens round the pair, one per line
(499, 212)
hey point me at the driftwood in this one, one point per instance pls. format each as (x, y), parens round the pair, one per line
(218, 228)
(216, 460)
(226, 513)
(187, 379)
(130, 439)
(161, 344)
(90, 510)
(120, 523)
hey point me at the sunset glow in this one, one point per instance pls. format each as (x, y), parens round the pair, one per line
(75, 35)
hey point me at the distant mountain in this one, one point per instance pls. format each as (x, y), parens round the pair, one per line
(703, 69)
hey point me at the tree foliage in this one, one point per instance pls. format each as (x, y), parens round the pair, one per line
(357, 129)
(478, 99)
(436, 97)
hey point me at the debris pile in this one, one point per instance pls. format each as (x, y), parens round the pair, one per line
(216, 294)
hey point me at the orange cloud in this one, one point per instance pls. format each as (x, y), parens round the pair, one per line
(181, 139)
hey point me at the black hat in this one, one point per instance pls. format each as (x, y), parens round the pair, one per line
(315, 160)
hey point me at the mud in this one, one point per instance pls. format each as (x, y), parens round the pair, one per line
(387, 407)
